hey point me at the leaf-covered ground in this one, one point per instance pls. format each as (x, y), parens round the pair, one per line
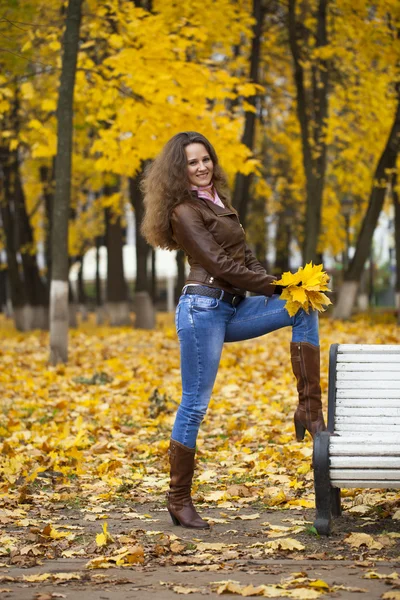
(84, 464)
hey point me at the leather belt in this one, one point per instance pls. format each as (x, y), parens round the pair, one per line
(202, 290)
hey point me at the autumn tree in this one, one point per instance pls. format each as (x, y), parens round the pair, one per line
(240, 198)
(312, 110)
(381, 183)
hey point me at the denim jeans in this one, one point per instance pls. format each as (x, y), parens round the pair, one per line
(203, 325)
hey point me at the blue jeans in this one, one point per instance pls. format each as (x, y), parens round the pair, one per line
(203, 325)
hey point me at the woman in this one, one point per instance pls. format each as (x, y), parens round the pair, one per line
(187, 207)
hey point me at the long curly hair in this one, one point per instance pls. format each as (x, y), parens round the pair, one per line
(165, 184)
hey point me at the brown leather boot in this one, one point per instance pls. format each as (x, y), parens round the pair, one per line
(305, 359)
(179, 501)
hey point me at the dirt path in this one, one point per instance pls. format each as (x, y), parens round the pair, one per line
(247, 546)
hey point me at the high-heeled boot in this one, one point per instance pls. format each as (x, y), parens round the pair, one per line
(305, 360)
(179, 501)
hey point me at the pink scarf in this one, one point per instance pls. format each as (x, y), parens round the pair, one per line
(208, 192)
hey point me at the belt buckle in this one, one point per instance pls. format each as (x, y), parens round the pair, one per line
(236, 300)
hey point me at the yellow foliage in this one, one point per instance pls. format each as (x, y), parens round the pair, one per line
(304, 289)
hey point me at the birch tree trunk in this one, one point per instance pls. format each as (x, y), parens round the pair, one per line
(382, 178)
(59, 237)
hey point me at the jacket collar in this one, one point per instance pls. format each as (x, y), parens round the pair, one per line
(218, 210)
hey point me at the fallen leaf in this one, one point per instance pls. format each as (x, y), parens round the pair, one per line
(105, 538)
(100, 562)
(246, 517)
(284, 544)
(180, 589)
(37, 577)
(176, 547)
(214, 546)
(375, 575)
(53, 533)
(362, 539)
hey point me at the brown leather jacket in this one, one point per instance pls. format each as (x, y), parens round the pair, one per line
(215, 244)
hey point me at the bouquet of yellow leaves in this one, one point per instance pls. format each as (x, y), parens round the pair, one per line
(305, 288)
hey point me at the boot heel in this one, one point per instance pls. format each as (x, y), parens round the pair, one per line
(300, 430)
(174, 519)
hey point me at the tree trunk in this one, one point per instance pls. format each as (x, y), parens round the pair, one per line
(180, 280)
(282, 245)
(144, 308)
(7, 211)
(3, 288)
(242, 182)
(153, 290)
(82, 299)
(312, 112)
(117, 291)
(396, 201)
(47, 179)
(33, 313)
(382, 176)
(37, 301)
(100, 312)
(59, 276)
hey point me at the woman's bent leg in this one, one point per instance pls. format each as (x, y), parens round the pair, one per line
(201, 329)
(259, 315)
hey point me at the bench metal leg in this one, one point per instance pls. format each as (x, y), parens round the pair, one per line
(322, 484)
(335, 502)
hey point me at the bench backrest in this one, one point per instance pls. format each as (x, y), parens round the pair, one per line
(364, 415)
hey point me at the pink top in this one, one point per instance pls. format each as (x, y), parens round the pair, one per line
(208, 192)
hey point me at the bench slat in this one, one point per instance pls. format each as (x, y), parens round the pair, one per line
(373, 402)
(374, 437)
(383, 404)
(368, 394)
(364, 449)
(367, 411)
(367, 420)
(366, 427)
(367, 474)
(384, 348)
(359, 483)
(365, 462)
(368, 376)
(361, 366)
(369, 358)
(367, 385)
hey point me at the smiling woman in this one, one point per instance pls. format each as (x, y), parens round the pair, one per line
(187, 206)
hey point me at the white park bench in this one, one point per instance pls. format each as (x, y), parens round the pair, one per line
(361, 447)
